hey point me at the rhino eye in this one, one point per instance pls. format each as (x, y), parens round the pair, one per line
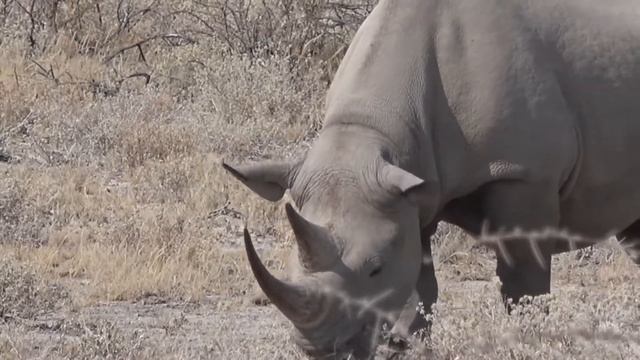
(375, 271)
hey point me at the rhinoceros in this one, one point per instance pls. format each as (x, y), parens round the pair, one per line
(490, 115)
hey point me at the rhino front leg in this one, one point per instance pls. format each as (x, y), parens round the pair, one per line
(410, 320)
(524, 262)
(630, 239)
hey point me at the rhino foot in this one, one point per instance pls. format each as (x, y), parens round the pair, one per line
(400, 348)
(398, 344)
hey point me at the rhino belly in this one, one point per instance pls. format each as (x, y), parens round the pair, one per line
(601, 211)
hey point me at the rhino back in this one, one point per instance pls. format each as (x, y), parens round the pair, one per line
(540, 90)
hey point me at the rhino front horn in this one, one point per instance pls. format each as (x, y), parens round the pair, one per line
(315, 248)
(297, 303)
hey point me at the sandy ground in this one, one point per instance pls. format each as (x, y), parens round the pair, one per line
(216, 328)
(210, 329)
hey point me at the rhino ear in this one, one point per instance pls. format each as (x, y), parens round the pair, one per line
(268, 179)
(413, 188)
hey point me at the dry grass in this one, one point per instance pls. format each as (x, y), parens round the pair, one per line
(24, 294)
(161, 222)
(120, 234)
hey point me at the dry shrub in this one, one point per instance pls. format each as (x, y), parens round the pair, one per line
(97, 340)
(24, 294)
(224, 115)
(600, 328)
(308, 33)
(19, 221)
(76, 338)
(100, 47)
(592, 314)
(143, 142)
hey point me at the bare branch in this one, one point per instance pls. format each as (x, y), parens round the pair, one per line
(32, 29)
(15, 74)
(99, 13)
(129, 47)
(147, 77)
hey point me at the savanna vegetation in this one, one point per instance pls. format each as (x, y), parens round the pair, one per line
(120, 234)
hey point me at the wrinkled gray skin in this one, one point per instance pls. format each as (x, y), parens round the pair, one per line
(509, 114)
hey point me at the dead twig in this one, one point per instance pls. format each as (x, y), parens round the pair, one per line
(32, 19)
(137, 45)
(47, 73)
(178, 39)
(147, 77)
(15, 75)
(99, 11)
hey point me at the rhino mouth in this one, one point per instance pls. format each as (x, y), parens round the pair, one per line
(359, 346)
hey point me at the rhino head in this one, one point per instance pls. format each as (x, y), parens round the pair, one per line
(358, 252)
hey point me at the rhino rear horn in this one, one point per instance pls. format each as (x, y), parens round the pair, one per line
(296, 302)
(316, 251)
(268, 179)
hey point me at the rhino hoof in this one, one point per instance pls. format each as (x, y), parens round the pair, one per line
(391, 350)
(397, 344)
